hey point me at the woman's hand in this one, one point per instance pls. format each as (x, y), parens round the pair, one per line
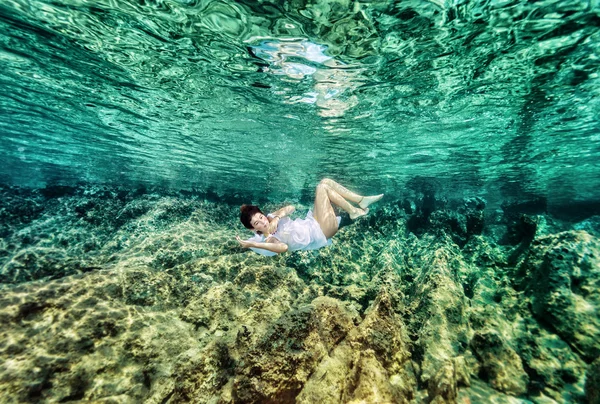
(244, 243)
(273, 225)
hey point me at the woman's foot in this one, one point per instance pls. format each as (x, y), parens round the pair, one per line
(367, 200)
(358, 213)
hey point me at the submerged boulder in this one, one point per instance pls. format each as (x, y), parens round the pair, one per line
(439, 322)
(76, 339)
(562, 276)
(371, 365)
(501, 366)
(277, 367)
(592, 383)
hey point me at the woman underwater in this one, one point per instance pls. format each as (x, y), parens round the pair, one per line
(276, 233)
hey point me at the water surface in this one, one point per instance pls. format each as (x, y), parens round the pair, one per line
(265, 98)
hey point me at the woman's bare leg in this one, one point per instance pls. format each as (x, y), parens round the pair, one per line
(362, 201)
(344, 192)
(337, 199)
(323, 211)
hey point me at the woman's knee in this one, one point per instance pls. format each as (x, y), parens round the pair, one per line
(322, 187)
(326, 181)
(330, 229)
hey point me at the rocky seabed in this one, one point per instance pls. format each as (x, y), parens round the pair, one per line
(123, 297)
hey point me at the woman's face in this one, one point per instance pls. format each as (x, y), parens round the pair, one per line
(260, 222)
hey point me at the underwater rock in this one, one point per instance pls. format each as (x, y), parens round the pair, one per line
(480, 392)
(460, 220)
(75, 339)
(372, 364)
(522, 229)
(18, 207)
(217, 308)
(443, 387)
(232, 318)
(39, 263)
(592, 382)
(562, 275)
(591, 225)
(98, 227)
(57, 191)
(501, 366)
(551, 365)
(277, 368)
(148, 288)
(156, 303)
(438, 321)
(200, 374)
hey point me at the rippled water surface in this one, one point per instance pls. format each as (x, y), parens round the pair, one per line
(266, 97)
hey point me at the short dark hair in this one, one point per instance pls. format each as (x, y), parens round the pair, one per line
(247, 211)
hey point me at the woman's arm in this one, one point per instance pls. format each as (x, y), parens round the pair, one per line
(276, 216)
(285, 211)
(272, 245)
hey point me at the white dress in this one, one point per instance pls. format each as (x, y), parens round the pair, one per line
(299, 234)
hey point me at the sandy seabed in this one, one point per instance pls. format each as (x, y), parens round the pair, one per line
(119, 296)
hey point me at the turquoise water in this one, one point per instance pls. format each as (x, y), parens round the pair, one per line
(131, 131)
(265, 98)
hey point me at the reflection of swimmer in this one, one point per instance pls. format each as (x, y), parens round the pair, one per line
(333, 80)
(333, 86)
(276, 233)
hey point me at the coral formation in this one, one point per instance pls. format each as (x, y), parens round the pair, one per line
(119, 296)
